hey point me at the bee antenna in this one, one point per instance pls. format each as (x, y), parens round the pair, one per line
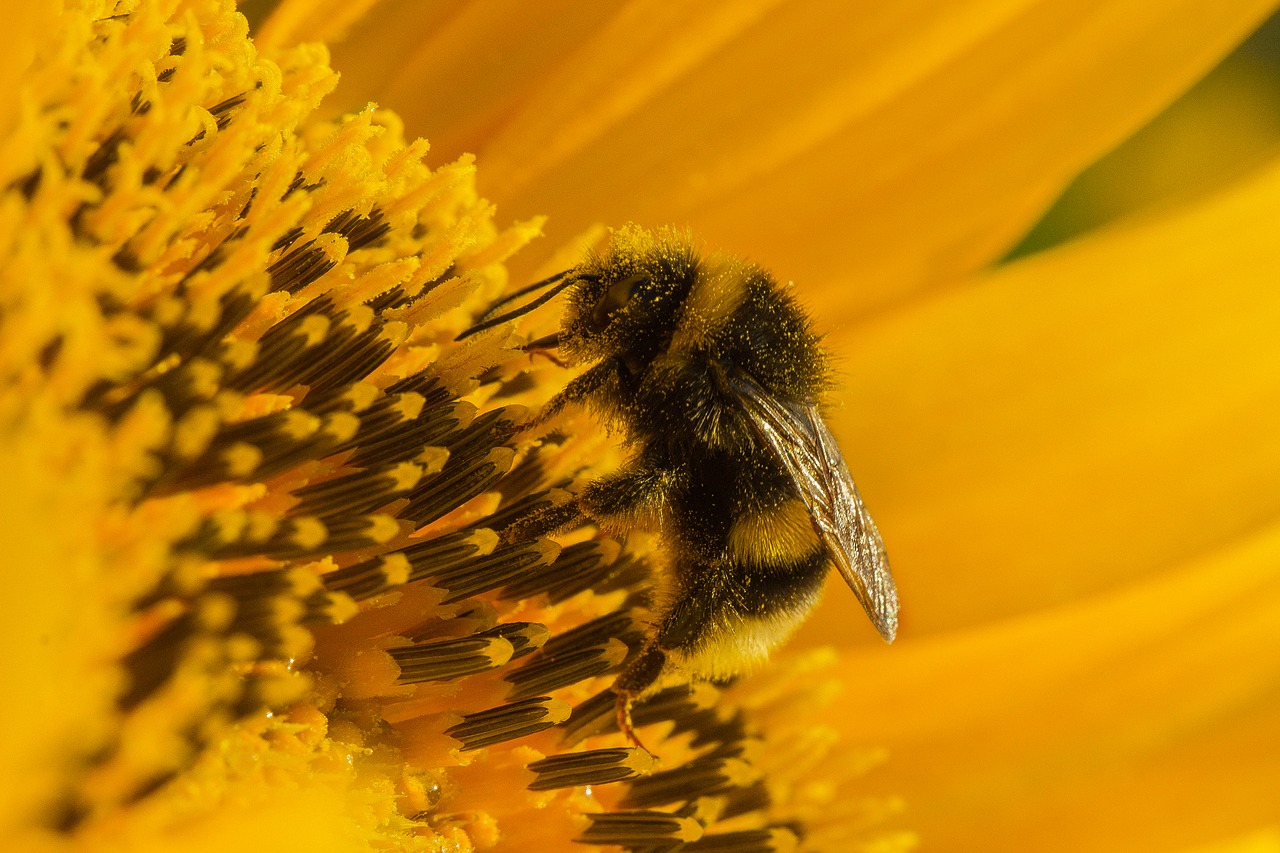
(528, 288)
(562, 277)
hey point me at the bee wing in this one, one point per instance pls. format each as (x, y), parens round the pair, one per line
(809, 453)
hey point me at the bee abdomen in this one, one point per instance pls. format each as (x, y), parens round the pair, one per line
(734, 613)
(773, 538)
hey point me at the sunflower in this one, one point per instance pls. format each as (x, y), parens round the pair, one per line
(257, 599)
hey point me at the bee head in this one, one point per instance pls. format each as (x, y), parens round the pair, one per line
(626, 302)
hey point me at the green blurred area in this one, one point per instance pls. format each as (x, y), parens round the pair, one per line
(1217, 132)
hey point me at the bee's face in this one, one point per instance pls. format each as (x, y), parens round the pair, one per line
(608, 314)
(625, 305)
(617, 299)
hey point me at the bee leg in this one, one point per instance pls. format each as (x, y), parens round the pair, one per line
(610, 499)
(546, 348)
(579, 388)
(641, 674)
(682, 631)
(622, 711)
(545, 522)
(622, 494)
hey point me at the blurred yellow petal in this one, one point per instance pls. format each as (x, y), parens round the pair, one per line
(1140, 721)
(23, 24)
(869, 149)
(1076, 421)
(320, 20)
(1266, 841)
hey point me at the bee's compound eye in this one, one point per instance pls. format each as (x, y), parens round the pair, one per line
(614, 299)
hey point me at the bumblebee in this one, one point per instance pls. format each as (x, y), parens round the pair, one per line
(715, 377)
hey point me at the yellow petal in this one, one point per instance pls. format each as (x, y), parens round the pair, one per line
(1143, 720)
(1075, 422)
(320, 21)
(867, 146)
